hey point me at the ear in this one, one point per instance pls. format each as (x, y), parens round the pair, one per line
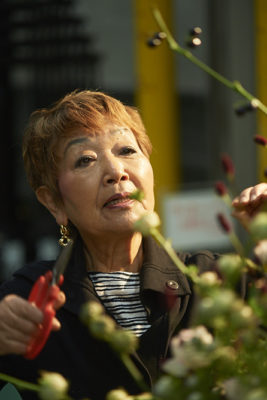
(44, 195)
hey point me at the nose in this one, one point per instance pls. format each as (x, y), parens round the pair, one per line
(114, 171)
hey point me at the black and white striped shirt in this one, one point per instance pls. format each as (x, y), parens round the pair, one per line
(119, 292)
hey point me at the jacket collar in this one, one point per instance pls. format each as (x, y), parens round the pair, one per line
(159, 273)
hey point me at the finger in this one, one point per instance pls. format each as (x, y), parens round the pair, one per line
(61, 299)
(243, 199)
(13, 333)
(17, 313)
(14, 322)
(252, 195)
(13, 347)
(258, 194)
(56, 325)
(21, 308)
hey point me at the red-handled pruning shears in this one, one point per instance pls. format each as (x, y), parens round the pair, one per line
(44, 294)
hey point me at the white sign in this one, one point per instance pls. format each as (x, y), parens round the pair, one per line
(190, 220)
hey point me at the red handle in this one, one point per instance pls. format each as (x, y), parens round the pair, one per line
(43, 295)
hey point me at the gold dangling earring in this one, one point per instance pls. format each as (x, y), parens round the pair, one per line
(64, 231)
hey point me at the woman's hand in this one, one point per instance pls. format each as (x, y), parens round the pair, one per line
(19, 320)
(250, 202)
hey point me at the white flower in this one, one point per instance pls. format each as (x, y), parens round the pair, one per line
(147, 223)
(52, 386)
(188, 335)
(190, 349)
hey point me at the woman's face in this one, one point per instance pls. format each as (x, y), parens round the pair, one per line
(97, 172)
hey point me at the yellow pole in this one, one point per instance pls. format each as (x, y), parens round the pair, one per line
(261, 68)
(156, 97)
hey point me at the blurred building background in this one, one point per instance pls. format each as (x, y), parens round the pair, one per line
(50, 47)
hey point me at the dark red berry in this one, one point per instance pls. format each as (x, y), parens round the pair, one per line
(227, 164)
(224, 223)
(260, 140)
(220, 188)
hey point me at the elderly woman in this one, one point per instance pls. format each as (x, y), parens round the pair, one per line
(84, 157)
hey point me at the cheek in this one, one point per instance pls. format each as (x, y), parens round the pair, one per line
(64, 184)
(147, 182)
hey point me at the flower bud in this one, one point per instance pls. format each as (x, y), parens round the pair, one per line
(90, 309)
(123, 341)
(117, 394)
(167, 387)
(250, 106)
(224, 223)
(102, 327)
(241, 315)
(137, 195)
(230, 266)
(147, 223)
(258, 226)
(209, 279)
(212, 309)
(52, 386)
(220, 188)
(260, 140)
(227, 165)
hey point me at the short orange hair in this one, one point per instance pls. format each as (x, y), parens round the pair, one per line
(79, 109)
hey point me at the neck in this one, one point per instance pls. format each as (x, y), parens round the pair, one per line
(115, 254)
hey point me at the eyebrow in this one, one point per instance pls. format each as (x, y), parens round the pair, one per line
(85, 139)
(73, 142)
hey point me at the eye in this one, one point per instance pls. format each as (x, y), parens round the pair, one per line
(84, 161)
(127, 150)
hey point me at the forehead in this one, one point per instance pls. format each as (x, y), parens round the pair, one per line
(80, 137)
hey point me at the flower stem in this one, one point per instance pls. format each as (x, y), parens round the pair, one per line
(133, 371)
(19, 383)
(234, 85)
(172, 254)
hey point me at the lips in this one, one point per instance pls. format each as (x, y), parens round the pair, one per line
(118, 198)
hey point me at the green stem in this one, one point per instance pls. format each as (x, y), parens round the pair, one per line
(19, 383)
(170, 251)
(133, 371)
(234, 85)
(226, 198)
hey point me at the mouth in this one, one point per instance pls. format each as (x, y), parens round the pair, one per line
(119, 199)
